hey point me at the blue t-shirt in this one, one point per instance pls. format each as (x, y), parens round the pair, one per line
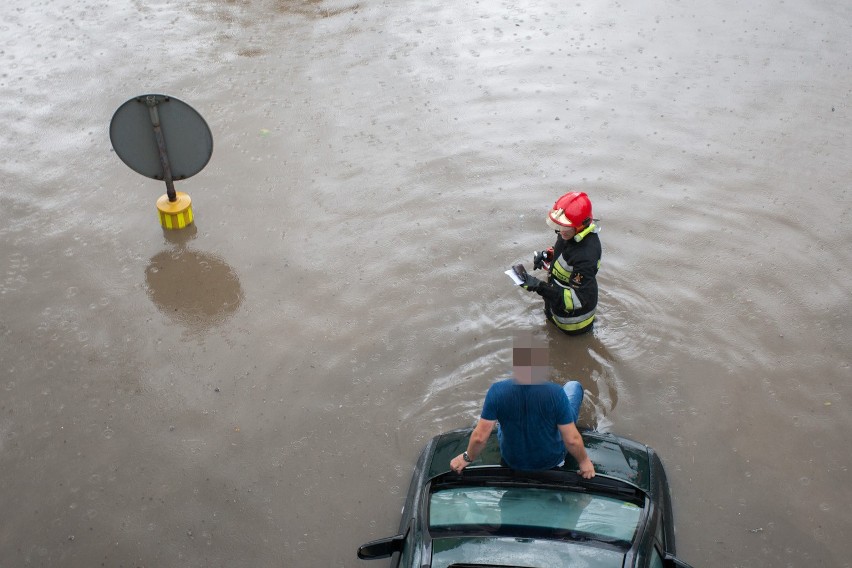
(528, 417)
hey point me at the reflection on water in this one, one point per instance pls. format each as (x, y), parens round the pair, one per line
(587, 359)
(197, 290)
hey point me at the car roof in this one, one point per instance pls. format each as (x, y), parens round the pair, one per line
(614, 456)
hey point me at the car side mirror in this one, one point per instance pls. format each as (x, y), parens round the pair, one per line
(381, 548)
(673, 562)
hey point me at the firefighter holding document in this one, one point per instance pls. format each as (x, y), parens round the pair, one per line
(571, 290)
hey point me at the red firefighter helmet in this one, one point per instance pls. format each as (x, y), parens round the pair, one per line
(572, 210)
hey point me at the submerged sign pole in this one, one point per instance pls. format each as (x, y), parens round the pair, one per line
(163, 138)
(174, 213)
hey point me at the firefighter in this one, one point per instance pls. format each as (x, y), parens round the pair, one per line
(571, 290)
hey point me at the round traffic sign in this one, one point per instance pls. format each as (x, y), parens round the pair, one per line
(187, 137)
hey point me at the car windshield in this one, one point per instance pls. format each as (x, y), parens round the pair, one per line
(533, 511)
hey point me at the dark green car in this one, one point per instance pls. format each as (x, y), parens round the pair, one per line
(490, 515)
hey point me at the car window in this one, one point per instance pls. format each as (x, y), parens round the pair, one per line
(493, 551)
(523, 507)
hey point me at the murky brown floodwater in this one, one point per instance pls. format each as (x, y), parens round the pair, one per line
(254, 392)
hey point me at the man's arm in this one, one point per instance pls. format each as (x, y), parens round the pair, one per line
(574, 444)
(477, 441)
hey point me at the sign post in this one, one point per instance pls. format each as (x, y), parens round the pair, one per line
(163, 138)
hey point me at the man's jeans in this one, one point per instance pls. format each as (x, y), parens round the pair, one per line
(574, 390)
(575, 396)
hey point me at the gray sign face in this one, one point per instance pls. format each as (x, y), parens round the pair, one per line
(188, 141)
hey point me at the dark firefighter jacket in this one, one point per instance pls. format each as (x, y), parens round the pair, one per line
(571, 291)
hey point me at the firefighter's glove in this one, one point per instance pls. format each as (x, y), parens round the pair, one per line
(543, 259)
(531, 283)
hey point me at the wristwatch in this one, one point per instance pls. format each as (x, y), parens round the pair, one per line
(466, 457)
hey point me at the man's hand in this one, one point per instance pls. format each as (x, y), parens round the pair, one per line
(458, 463)
(587, 469)
(575, 446)
(478, 438)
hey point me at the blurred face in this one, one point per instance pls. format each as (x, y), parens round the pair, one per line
(530, 364)
(567, 233)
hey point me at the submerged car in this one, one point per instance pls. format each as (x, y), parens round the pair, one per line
(492, 516)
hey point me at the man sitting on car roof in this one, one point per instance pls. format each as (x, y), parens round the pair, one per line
(535, 418)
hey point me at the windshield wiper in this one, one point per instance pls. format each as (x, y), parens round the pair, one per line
(558, 479)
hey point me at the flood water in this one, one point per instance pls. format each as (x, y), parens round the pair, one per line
(254, 390)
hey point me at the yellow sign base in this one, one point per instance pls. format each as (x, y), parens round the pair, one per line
(175, 214)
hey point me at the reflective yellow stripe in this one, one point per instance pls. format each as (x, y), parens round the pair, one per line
(568, 298)
(561, 272)
(574, 326)
(582, 234)
(176, 220)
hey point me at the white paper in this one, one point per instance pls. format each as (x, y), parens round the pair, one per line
(511, 274)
